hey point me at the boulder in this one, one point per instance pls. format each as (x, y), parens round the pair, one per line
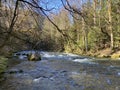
(34, 56)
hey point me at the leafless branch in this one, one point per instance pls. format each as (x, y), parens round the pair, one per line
(35, 5)
(11, 25)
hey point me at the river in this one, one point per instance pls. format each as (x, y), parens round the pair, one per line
(62, 71)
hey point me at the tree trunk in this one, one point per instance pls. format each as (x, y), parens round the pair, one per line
(99, 13)
(85, 40)
(0, 3)
(94, 7)
(110, 23)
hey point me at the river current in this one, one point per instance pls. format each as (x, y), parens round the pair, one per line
(61, 71)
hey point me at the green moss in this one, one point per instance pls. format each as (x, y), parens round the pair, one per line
(3, 65)
(115, 56)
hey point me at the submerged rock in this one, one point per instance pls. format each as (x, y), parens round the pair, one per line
(14, 71)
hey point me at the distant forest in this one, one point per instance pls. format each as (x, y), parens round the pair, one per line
(79, 26)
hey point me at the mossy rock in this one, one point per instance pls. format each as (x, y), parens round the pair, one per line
(34, 57)
(3, 63)
(3, 66)
(115, 56)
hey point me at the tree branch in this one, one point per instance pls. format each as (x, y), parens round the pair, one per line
(11, 25)
(36, 5)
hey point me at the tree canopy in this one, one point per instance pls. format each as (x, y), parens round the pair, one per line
(81, 26)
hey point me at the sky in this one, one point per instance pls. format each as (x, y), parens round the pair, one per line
(56, 4)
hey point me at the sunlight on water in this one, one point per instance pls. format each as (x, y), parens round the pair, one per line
(82, 60)
(37, 80)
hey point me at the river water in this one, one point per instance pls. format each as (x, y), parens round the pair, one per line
(61, 71)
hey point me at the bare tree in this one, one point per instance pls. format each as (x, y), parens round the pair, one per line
(10, 29)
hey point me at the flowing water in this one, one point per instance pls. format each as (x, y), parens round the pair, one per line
(61, 71)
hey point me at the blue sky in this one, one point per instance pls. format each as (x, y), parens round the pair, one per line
(56, 4)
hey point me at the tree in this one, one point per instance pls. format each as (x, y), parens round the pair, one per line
(0, 3)
(83, 25)
(10, 29)
(19, 24)
(110, 23)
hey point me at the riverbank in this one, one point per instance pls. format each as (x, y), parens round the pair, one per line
(5, 64)
(103, 53)
(106, 53)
